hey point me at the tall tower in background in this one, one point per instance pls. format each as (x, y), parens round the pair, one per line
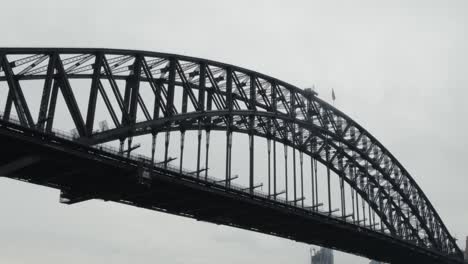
(323, 256)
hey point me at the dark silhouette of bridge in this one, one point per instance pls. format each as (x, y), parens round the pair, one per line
(382, 212)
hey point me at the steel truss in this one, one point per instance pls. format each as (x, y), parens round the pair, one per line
(225, 97)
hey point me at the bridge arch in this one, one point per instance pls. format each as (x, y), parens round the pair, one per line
(223, 97)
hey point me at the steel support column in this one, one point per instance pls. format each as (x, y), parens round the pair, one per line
(252, 101)
(201, 107)
(16, 92)
(286, 170)
(52, 106)
(70, 100)
(95, 83)
(46, 93)
(229, 105)
(8, 105)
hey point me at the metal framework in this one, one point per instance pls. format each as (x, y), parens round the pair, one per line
(217, 96)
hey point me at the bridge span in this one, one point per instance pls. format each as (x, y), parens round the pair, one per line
(333, 162)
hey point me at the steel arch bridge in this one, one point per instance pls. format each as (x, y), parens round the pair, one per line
(382, 214)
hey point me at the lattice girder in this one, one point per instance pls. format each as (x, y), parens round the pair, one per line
(219, 96)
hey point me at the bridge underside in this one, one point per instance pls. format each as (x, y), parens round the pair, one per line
(83, 173)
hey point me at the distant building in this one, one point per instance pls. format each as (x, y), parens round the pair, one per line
(323, 256)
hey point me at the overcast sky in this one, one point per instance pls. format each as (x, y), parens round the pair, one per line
(399, 68)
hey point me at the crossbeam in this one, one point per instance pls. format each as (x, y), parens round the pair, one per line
(314, 206)
(278, 193)
(132, 148)
(254, 187)
(166, 161)
(228, 179)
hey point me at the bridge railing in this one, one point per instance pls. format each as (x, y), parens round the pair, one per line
(159, 165)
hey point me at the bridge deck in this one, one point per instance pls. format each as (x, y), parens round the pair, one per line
(84, 172)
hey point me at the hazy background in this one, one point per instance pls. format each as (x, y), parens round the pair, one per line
(399, 68)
